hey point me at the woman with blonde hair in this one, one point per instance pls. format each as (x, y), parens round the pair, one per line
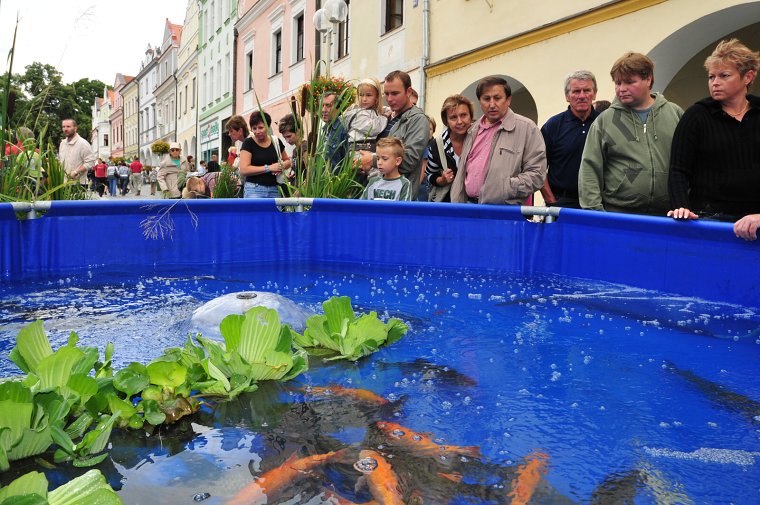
(714, 163)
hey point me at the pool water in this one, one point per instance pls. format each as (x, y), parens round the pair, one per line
(630, 394)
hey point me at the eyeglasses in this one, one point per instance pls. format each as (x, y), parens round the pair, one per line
(175, 149)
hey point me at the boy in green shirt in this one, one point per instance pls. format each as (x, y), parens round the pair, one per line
(392, 185)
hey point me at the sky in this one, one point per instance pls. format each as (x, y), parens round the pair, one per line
(94, 39)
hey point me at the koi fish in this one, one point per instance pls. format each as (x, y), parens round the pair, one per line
(528, 476)
(427, 370)
(269, 485)
(381, 479)
(331, 497)
(421, 444)
(359, 395)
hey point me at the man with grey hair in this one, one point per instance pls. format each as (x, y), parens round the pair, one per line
(565, 136)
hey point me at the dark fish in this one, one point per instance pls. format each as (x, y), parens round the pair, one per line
(426, 370)
(730, 400)
(619, 488)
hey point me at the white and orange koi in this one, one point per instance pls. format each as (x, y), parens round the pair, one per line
(272, 483)
(421, 444)
(381, 479)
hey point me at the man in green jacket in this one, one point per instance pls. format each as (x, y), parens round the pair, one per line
(627, 153)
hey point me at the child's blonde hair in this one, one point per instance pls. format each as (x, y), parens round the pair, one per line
(374, 83)
(393, 144)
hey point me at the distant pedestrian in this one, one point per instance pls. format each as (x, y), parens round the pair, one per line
(136, 178)
(112, 176)
(124, 173)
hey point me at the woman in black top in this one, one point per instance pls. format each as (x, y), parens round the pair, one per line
(260, 163)
(715, 156)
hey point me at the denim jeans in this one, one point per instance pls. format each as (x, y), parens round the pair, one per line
(112, 182)
(253, 190)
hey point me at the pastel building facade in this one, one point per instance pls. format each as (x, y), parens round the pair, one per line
(129, 94)
(276, 54)
(187, 82)
(148, 122)
(117, 116)
(216, 48)
(166, 88)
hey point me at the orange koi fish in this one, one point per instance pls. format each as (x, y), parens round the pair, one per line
(528, 476)
(382, 480)
(359, 395)
(269, 485)
(421, 443)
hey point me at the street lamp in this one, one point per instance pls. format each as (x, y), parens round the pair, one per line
(325, 21)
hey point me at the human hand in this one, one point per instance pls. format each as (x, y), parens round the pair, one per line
(365, 163)
(747, 226)
(448, 176)
(682, 213)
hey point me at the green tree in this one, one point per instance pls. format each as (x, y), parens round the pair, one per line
(46, 101)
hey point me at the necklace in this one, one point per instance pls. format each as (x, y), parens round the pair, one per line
(744, 109)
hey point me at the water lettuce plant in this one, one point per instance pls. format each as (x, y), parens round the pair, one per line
(32, 489)
(70, 400)
(347, 336)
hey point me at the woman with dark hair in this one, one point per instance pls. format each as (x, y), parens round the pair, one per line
(262, 159)
(714, 160)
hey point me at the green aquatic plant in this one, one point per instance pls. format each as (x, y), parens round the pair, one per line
(345, 335)
(32, 489)
(38, 411)
(71, 401)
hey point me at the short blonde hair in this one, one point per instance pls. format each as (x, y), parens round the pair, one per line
(737, 54)
(194, 187)
(393, 144)
(374, 83)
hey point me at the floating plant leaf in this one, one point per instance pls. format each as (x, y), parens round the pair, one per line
(90, 488)
(348, 336)
(32, 483)
(167, 374)
(32, 345)
(132, 380)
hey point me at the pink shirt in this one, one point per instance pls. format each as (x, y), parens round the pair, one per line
(477, 159)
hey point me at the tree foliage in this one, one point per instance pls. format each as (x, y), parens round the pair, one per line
(40, 100)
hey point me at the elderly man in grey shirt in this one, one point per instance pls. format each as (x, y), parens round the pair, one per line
(75, 153)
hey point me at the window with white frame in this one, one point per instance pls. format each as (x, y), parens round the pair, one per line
(298, 37)
(248, 71)
(227, 72)
(394, 14)
(342, 35)
(277, 52)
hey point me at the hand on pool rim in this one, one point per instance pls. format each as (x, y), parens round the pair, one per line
(747, 226)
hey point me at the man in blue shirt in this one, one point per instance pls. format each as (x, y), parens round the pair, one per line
(565, 136)
(334, 132)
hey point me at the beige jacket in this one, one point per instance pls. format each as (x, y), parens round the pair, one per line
(75, 154)
(516, 164)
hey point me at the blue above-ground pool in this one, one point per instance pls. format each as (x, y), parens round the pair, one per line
(621, 350)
